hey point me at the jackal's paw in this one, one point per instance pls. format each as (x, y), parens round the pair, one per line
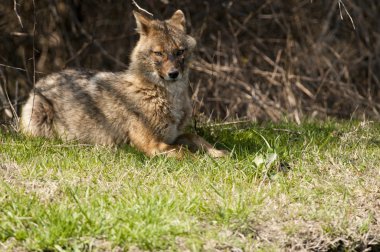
(218, 153)
(177, 152)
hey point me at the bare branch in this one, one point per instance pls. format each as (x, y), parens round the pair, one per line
(18, 16)
(17, 68)
(33, 41)
(141, 9)
(341, 4)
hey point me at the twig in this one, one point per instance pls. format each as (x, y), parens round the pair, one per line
(141, 9)
(33, 41)
(11, 113)
(239, 122)
(18, 68)
(3, 97)
(14, 116)
(34, 59)
(79, 52)
(18, 16)
(340, 3)
(15, 100)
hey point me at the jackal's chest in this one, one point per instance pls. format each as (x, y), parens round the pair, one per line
(176, 117)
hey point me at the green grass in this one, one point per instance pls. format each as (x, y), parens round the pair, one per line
(284, 187)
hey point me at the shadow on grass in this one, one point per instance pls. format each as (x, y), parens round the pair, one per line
(284, 139)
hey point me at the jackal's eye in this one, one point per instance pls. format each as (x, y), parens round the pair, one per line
(159, 54)
(180, 52)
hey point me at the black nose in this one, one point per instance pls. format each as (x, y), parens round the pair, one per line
(173, 74)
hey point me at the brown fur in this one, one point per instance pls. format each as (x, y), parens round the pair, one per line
(147, 106)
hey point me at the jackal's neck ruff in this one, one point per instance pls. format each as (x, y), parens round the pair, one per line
(163, 52)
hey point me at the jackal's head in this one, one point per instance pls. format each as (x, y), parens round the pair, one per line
(163, 51)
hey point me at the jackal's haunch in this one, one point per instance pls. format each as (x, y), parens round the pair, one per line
(147, 106)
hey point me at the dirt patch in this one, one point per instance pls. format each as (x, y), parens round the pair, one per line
(9, 171)
(11, 244)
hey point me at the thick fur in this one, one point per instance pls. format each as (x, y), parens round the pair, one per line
(147, 106)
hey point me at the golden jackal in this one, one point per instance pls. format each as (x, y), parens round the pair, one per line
(147, 106)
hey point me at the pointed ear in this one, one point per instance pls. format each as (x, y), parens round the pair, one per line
(142, 22)
(178, 20)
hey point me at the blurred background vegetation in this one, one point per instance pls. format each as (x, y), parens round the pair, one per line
(256, 60)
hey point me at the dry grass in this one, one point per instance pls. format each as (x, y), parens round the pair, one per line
(256, 59)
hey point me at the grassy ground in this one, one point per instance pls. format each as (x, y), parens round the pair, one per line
(285, 187)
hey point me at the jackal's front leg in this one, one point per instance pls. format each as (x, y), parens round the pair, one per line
(145, 141)
(196, 143)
